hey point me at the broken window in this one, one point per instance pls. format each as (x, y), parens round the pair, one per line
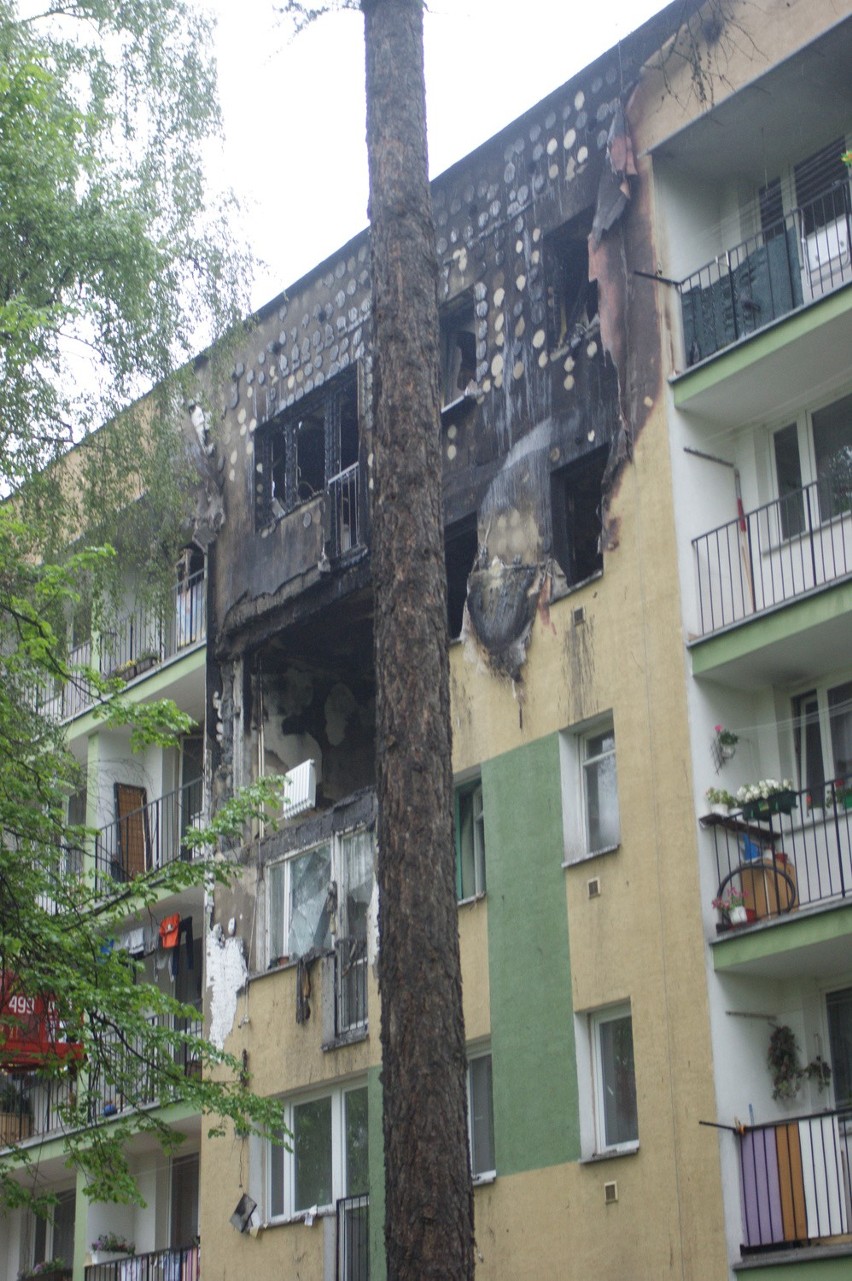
(458, 349)
(576, 501)
(460, 548)
(306, 450)
(572, 299)
(322, 896)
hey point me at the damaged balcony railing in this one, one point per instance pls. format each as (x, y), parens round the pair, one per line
(140, 641)
(775, 553)
(353, 1238)
(793, 261)
(350, 985)
(124, 1074)
(786, 861)
(31, 1105)
(344, 493)
(178, 1263)
(795, 1181)
(149, 837)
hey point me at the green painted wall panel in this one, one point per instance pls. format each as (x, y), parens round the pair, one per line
(826, 1269)
(536, 1120)
(378, 1270)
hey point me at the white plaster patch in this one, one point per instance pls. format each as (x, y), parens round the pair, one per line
(538, 339)
(241, 416)
(569, 364)
(553, 172)
(227, 973)
(497, 366)
(451, 452)
(648, 402)
(520, 327)
(521, 283)
(452, 431)
(542, 360)
(535, 256)
(579, 99)
(499, 295)
(519, 246)
(582, 155)
(552, 144)
(233, 458)
(499, 339)
(569, 139)
(568, 382)
(518, 370)
(498, 323)
(536, 235)
(232, 475)
(592, 349)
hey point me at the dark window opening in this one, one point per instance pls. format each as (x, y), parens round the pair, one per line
(575, 497)
(460, 548)
(572, 299)
(304, 449)
(771, 209)
(458, 349)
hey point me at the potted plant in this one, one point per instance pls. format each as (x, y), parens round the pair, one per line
(782, 1059)
(109, 1246)
(732, 906)
(839, 793)
(767, 797)
(726, 742)
(720, 800)
(47, 1268)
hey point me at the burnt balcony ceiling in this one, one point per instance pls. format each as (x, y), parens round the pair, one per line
(336, 641)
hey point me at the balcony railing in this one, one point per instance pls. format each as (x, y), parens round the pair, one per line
(140, 641)
(179, 1263)
(796, 260)
(786, 861)
(775, 553)
(149, 837)
(344, 494)
(126, 1075)
(350, 985)
(31, 1106)
(353, 1239)
(795, 1181)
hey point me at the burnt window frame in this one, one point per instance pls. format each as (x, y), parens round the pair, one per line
(567, 482)
(457, 317)
(278, 488)
(460, 531)
(572, 299)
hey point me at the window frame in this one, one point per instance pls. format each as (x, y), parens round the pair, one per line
(820, 691)
(470, 789)
(793, 523)
(597, 1020)
(477, 1055)
(274, 1152)
(841, 990)
(572, 764)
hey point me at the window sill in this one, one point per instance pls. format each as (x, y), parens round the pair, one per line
(322, 1212)
(590, 854)
(472, 900)
(347, 1038)
(611, 1154)
(482, 1180)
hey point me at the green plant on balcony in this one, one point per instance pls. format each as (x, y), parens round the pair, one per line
(720, 800)
(787, 1074)
(48, 1267)
(839, 793)
(767, 797)
(111, 1243)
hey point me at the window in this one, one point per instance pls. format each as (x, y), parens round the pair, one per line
(813, 467)
(822, 737)
(329, 1157)
(303, 451)
(54, 1238)
(458, 349)
(600, 790)
(470, 841)
(460, 548)
(575, 505)
(572, 299)
(614, 1079)
(480, 1115)
(839, 1013)
(183, 1227)
(321, 897)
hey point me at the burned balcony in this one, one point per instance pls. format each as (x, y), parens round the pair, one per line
(146, 835)
(795, 1182)
(786, 549)
(792, 855)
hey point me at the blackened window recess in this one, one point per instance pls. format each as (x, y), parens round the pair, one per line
(572, 299)
(460, 548)
(576, 503)
(458, 348)
(300, 451)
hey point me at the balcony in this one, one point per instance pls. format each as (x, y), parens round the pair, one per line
(788, 865)
(345, 507)
(179, 1263)
(126, 1076)
(774, 554)
(31, 1107)
(790, 263)
(140, 642)
(795, 1182)
(353, 1239)
(149, 837)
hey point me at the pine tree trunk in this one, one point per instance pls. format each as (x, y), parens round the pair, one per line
(429, 1202)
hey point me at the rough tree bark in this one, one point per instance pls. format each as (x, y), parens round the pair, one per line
(429, 1201)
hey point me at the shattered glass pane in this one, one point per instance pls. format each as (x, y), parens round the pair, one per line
(358, 882)
(310, 876)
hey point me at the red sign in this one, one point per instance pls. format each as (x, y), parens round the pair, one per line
(31, 1031)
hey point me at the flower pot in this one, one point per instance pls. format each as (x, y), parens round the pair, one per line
(727, 751)
(778, 803)
(738, 915)
(718, 808)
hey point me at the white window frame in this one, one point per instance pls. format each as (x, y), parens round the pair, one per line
(287, 1212)
(471, 788)
(574, 764)
(477, 1055)
(282, 868)
(821, 690)
(803, 422)
(597, 1019)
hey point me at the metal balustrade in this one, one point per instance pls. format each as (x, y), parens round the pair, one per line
(350, 985)
(353, 1239)
(795, 1181)
(344, 495)
(178, 1263)
(32, 1106)
(149, 837)
(125, 1073)
(776, 553)
(793, 261)
(782, 862)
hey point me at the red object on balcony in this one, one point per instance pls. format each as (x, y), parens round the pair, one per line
(31, 1031)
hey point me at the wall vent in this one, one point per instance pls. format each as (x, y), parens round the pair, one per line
(594, 887)
(610, 1193)
(579, 615)
(300, 789)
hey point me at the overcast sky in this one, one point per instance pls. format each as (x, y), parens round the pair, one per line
(294, 112)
